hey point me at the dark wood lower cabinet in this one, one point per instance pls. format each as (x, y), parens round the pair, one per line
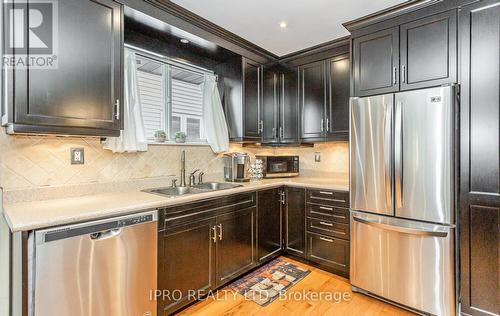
(295, 225)
(329, 251)
(235, 244)
(327, 227)
(186, 262)
(207, 244)
(269, 219)
(202, 246)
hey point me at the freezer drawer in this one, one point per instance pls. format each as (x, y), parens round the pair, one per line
(408, 262)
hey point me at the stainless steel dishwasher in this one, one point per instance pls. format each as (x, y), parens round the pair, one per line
(100, 268)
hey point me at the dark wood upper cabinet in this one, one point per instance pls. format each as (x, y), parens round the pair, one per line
(429, 51)
(289, 107)
(479, 32)
(186, 262)
(417, 54)
(337, 111)
(279, 106)
(252, 73)
(82, 95)
(324, 89)
(269, 219)
(312, 99)
(376, 62)
(235, 244)
(270, 106)
(294, 223)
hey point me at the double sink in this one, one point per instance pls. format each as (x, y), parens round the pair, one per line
(195, 189)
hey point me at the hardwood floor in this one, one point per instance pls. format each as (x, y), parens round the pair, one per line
(229, 303)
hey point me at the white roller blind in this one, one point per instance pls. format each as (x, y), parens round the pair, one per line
(153, 100)
(187, 103)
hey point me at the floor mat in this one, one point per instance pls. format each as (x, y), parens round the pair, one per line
(267, 283)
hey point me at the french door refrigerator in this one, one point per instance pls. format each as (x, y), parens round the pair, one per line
(402, 198)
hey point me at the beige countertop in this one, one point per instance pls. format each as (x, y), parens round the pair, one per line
(33, 215)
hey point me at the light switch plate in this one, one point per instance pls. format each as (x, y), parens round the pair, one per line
(77, 156)
(317, 157)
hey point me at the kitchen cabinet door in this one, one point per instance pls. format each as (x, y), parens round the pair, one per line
(295, 231)
(312, 98)
(329, 251)
(235, 244)
(289, 108)
(376, 62)
(429, 51)
(252, 73)
(269, 227)
(337, 118)
(479, 156)
(186, 262)
(82, 94)
(270, 108)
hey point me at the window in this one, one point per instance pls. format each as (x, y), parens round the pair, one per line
(171, 96)
(152, 94)
(187, 102)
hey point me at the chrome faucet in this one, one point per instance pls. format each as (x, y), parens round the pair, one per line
(192, 178)
(183, 169)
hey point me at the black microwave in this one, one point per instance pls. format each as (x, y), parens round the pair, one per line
(280, 166)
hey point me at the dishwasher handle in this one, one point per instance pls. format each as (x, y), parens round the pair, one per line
(107, 234)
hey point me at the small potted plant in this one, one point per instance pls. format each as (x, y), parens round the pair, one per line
(180, 137)
(160, 136)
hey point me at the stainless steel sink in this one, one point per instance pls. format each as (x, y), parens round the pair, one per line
(175, 191)
(199, 188)
(214, 186)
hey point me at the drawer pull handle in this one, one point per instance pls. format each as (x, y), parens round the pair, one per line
(338, 216)
(337, 200)
(326, 239)
(326, 208)
(325, 192)
(326, 224)
(338, 232)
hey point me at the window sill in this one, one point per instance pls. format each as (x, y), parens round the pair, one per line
(172, 143)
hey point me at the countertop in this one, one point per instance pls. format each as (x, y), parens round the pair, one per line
(34, 215)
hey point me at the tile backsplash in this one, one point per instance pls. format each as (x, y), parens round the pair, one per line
(35, 162)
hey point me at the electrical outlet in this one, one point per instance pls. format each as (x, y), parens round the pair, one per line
(317, 157)
(77, 156)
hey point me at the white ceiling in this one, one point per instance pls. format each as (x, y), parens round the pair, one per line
(310, 22)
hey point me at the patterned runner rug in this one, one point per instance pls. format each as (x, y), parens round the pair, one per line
(267, 283)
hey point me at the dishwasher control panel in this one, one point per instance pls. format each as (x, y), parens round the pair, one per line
(135, 220)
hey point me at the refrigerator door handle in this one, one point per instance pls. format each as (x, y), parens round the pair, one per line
(387, 151)
(398, 154)
(401, 229)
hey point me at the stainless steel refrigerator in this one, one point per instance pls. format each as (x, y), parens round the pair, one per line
(402, 198)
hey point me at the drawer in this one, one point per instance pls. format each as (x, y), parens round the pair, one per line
(184, 213)
(329, 228)
(329, 197)
(331, 213)
(328, 251)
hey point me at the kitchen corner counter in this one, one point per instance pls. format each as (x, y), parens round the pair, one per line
(41, 214)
